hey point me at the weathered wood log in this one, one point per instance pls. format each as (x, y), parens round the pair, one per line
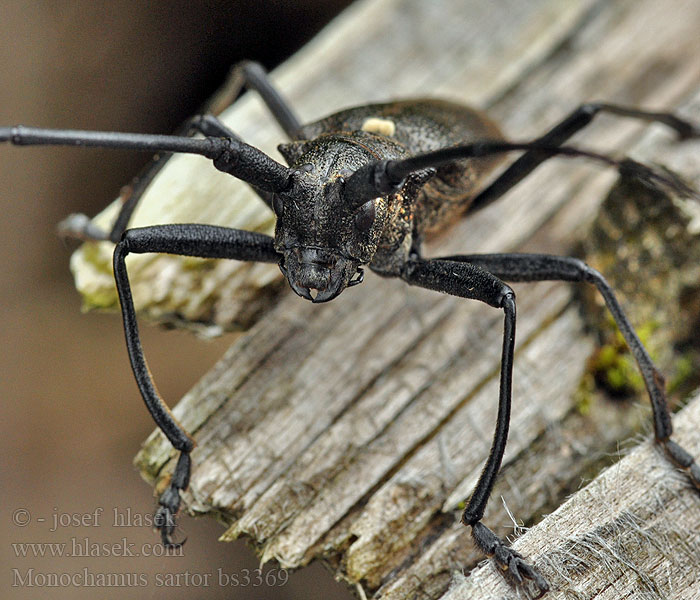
(351, 431)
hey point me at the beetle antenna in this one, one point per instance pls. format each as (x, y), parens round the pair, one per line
(229, 155)
(385, 177)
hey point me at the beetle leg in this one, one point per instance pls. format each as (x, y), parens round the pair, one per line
(254, 76)
(538, 267)
(466, 280)
(205, 241)
(561, 132)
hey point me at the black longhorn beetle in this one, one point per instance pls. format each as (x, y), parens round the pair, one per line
(363, 187)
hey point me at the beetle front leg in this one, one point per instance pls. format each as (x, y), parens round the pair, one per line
(204, 241)
(471, 281)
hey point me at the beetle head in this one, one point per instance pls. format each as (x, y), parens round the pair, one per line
(323, 235)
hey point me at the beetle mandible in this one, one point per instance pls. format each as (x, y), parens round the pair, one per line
(363, 187)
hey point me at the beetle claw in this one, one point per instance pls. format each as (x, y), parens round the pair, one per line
(514, 567)
(165, 522)
(164, 519)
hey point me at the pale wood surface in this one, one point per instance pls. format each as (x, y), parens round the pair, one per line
(351, 431)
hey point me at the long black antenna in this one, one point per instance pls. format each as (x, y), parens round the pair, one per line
(229, 155)
(385, 177)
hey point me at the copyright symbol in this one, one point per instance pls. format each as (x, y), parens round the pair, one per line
(21, 517)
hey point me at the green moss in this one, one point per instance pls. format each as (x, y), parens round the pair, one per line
(94, 254)
(91, 265)
(615, 367)
(683, 372)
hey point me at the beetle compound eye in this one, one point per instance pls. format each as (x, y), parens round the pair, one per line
(364, 217)
(277, 204)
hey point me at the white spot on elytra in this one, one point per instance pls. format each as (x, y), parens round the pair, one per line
(379, 126)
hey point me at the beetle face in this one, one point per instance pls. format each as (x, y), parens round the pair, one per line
(323, 238)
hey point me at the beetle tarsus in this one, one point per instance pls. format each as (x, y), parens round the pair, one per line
(511, 563)
(169, 501)
(165, 522)
(680, 457)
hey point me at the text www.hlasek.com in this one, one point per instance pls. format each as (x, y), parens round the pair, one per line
(84, 547)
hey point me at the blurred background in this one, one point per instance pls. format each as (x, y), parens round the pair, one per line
(72, 418)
